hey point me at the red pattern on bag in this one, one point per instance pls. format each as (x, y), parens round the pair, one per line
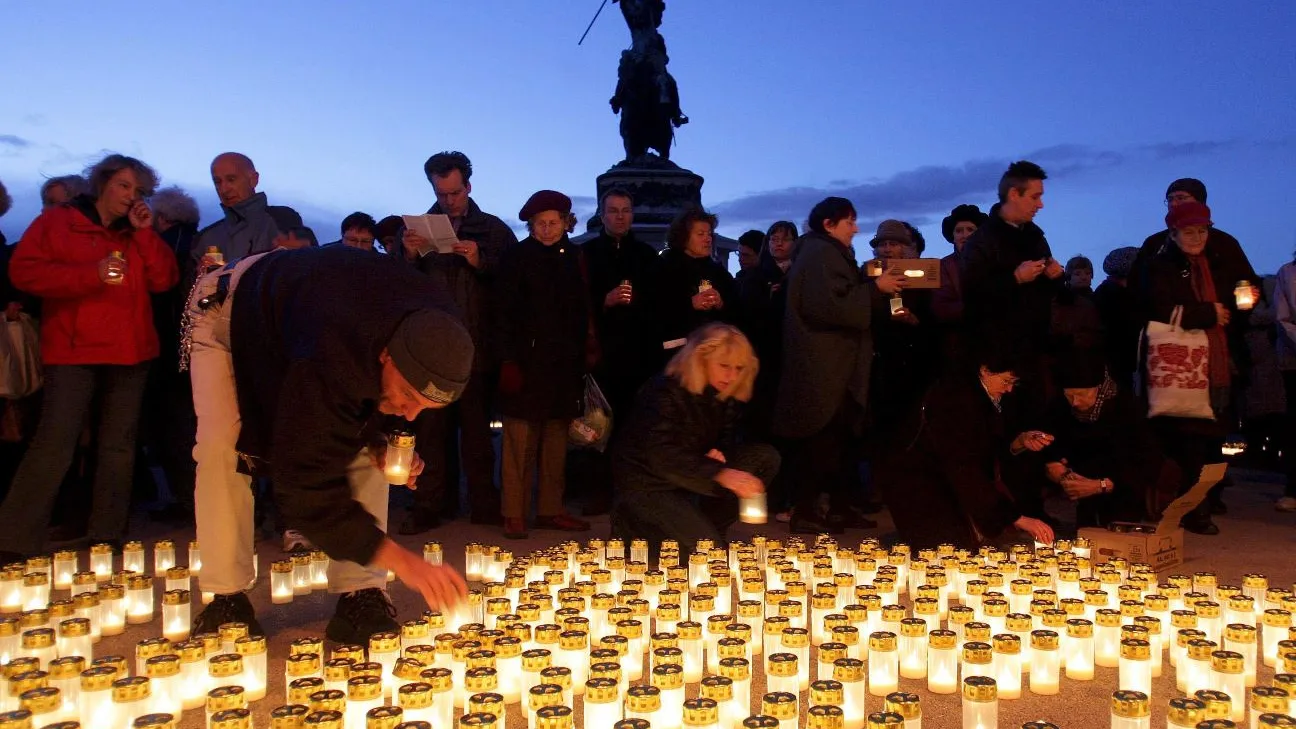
(1178, 366)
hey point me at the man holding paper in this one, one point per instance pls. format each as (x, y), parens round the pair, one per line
(466, 264)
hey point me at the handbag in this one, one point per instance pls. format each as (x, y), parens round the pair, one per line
(20, 364)
(1178, 370)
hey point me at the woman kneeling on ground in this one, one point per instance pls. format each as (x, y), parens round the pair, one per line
(680, 467)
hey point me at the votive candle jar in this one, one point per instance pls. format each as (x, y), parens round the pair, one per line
(1008, 665)
(65, 565)
(883, 663)
(980, 703)
(1130, 710)
(1228, 676)
(1046, 661)
(164, 557)
(133, 557)
(166, 683)
(1078, 656)
(942, 662)
(139, 598)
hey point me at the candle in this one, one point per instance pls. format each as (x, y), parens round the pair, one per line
(1007, 665)
(252, 650)
(39, 643)
(913, 648)
(139, 598)
(281, 581)
(642, 702)
(720, 689)
(1046, 662)
(779, 705)
(1218, 705)
(942, 662)
(133, 557)
(1185, 712)
(1241, 639)
(1244, 295)
(1227, 675)
(363, 693)
(35, 590)
(978, 659)
(1195, 665)
(130, 699)
(175, 615)
(752, 509)
(301, 573)
(602, 709)
(165, 681)
(1277, 623)
(400, 457)
(1209, 620)
(195, 558)
(1078, 656)
(883, 663)
(95, 700)
(415, 700)
(980, 703)
(1268, 700)
(327, 719)
(669, 680)
(1135, 671)
(44, 705)
(289, 716)
(65, 565)
(74, 638)
(225, 670)
(65, 675)
(1130, 710)
(907, 706)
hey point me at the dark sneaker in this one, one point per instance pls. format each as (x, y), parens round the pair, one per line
(360, 614)
(236, 608)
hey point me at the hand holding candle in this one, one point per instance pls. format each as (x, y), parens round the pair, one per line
(398, 460)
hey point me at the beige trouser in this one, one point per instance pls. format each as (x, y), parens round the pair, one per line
(528, 445)
(223, 502)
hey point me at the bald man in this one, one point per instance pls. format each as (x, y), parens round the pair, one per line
(251, 225)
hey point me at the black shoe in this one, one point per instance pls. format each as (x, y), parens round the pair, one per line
(805, 525)
(359, 615)
(236, 608)
(418, 521)
(1199, 525)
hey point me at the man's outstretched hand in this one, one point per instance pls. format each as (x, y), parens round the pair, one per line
(441, 586)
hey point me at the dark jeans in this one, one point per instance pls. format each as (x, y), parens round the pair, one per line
(1191, 444)
(685, 516)
(168, 425)
(827, 462)
(69, 391)
(466, 422)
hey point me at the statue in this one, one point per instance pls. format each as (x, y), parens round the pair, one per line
(646, 96)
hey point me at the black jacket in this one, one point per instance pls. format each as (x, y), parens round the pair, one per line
(675, 282)
(543, 327)
(472, 289)
(665, 440)
(1223, 244)
(306, 363)
(948, 454)
(763, 293)
(624, 332)
(1118, 310)
(168, 306)
(993, 300)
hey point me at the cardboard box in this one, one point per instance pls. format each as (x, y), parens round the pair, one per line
(1161, 544)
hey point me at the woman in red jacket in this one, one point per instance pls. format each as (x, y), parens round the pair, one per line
(93, 261)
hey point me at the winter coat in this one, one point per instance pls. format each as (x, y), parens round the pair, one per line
(543, 328)
(945, 467)
(905, 359)
(993, 300)
(472, 288)
(1285, 314)
(947, 301)
(248, 227)
(1118, 310)
(308, 367)
(665, 440)
(1264, 393)
(827, 337)
(763, 293)
(168, 306)
(625, 335)
(1223, 243)
(675, 282)
(84, 320)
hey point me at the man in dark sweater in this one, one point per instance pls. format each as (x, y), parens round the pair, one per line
(291, 381)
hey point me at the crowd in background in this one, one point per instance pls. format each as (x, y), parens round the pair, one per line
(958, 406)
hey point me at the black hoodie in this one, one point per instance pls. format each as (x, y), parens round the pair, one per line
(993, 300)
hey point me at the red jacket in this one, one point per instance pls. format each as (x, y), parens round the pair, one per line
(84, 320)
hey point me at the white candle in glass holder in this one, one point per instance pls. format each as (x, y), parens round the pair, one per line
(74, 638)
(1268, 700)
(225, 669)
(1130, 710)
(1210, 620)
(195, 558)
(10, 639)
(101, 561)
(95, 698)
(139, 599)
(384, 649)
(175, 615)
(133, 557)
(781, 672)
(229, 698)
(65, 675)
(83, 582)
(132, 698)
(178, 578)
(1227, 675)
(1107, 624)
(193, 673)
(415, 701)
(35, 590)
(319, 568)
(363, 693)
(1241, 639)
(1195, 665)
(39, 643)
(252, 649)
(883, 663)
(781, 706)
(913, 647)
(64, 566)
(669, 680)
(166, 683)
(737, 670)
(164, 557)
(1135, 666)
(1008, 665)
(1046, 660)
(1078, 650)
(301, 574)
(602, 709)
(281, 582)
(1276, 626)
(980, 703)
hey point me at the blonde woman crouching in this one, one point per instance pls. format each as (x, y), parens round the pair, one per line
(680, 465)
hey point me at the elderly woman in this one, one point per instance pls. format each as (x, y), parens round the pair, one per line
(680, 464)
(1118, 310)
(690, 288)
(544, 339)
(93, 262)
(957, 227)
(944, 484)
(1198, 280)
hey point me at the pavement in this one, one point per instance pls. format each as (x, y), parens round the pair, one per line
(1254, 539)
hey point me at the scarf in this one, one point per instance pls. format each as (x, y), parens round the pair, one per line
(1106, 391)
(1203, 285)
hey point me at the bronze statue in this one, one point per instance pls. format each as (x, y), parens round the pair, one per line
(646, 95)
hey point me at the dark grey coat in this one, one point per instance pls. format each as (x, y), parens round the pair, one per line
(827, 343)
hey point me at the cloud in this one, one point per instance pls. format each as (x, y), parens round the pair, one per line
(923, 194)
(14, 141)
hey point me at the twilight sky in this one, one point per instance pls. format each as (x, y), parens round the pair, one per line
(906, 108)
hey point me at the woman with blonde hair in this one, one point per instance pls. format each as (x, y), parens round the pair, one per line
(680, 464)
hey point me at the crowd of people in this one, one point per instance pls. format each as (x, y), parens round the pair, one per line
(833, 388)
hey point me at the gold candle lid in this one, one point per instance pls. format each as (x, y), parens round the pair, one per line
(66, 667)
(1218, 703)
(481, 679)
(1135, 649)
(302, 664)
(148, 721)
(1019, 623)
(130, 689)
(364, 688)
(338, 670)
(162, 666)
(881, 641)
(825, 717)
(250, 645)
(1208, 610)
(976, 632)
(415, 695)
(61, 609)
(385, 642)
(797, 638)
(232, 719)
(977, 652)
(1185, 711)
(782, 665)
(324, 719)
(1200, 649)
(643, 699)
(440, 679)
(668, 676)
(40, 700)
(98, 678)
(1277, 618)
(1269, 700)
(737, 669)
(1007, 643)
(1226, 662)
(825, 692)
(942, 639)
(486, 702)
(225, 665)
(219, 699)
(1130, 704)
(1240, 633)
(26, 681)
(906, 705)
(554, 717)
(562, 676)
(1278, 719)
(1108, 618)
(118, 663)
(717, 688)
(780, 705)
(38, 638)
(1044, 640)
(980, 689)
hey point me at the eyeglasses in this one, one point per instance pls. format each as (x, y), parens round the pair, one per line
(353, 241)
(1177, 198)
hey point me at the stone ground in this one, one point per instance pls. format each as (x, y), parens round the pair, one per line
(1254, 538)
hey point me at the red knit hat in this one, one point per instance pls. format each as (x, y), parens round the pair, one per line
(545, 200)
(1186, 214)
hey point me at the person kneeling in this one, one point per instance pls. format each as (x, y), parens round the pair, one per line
(679, 467)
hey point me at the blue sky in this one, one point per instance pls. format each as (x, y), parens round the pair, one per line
(906, 108)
